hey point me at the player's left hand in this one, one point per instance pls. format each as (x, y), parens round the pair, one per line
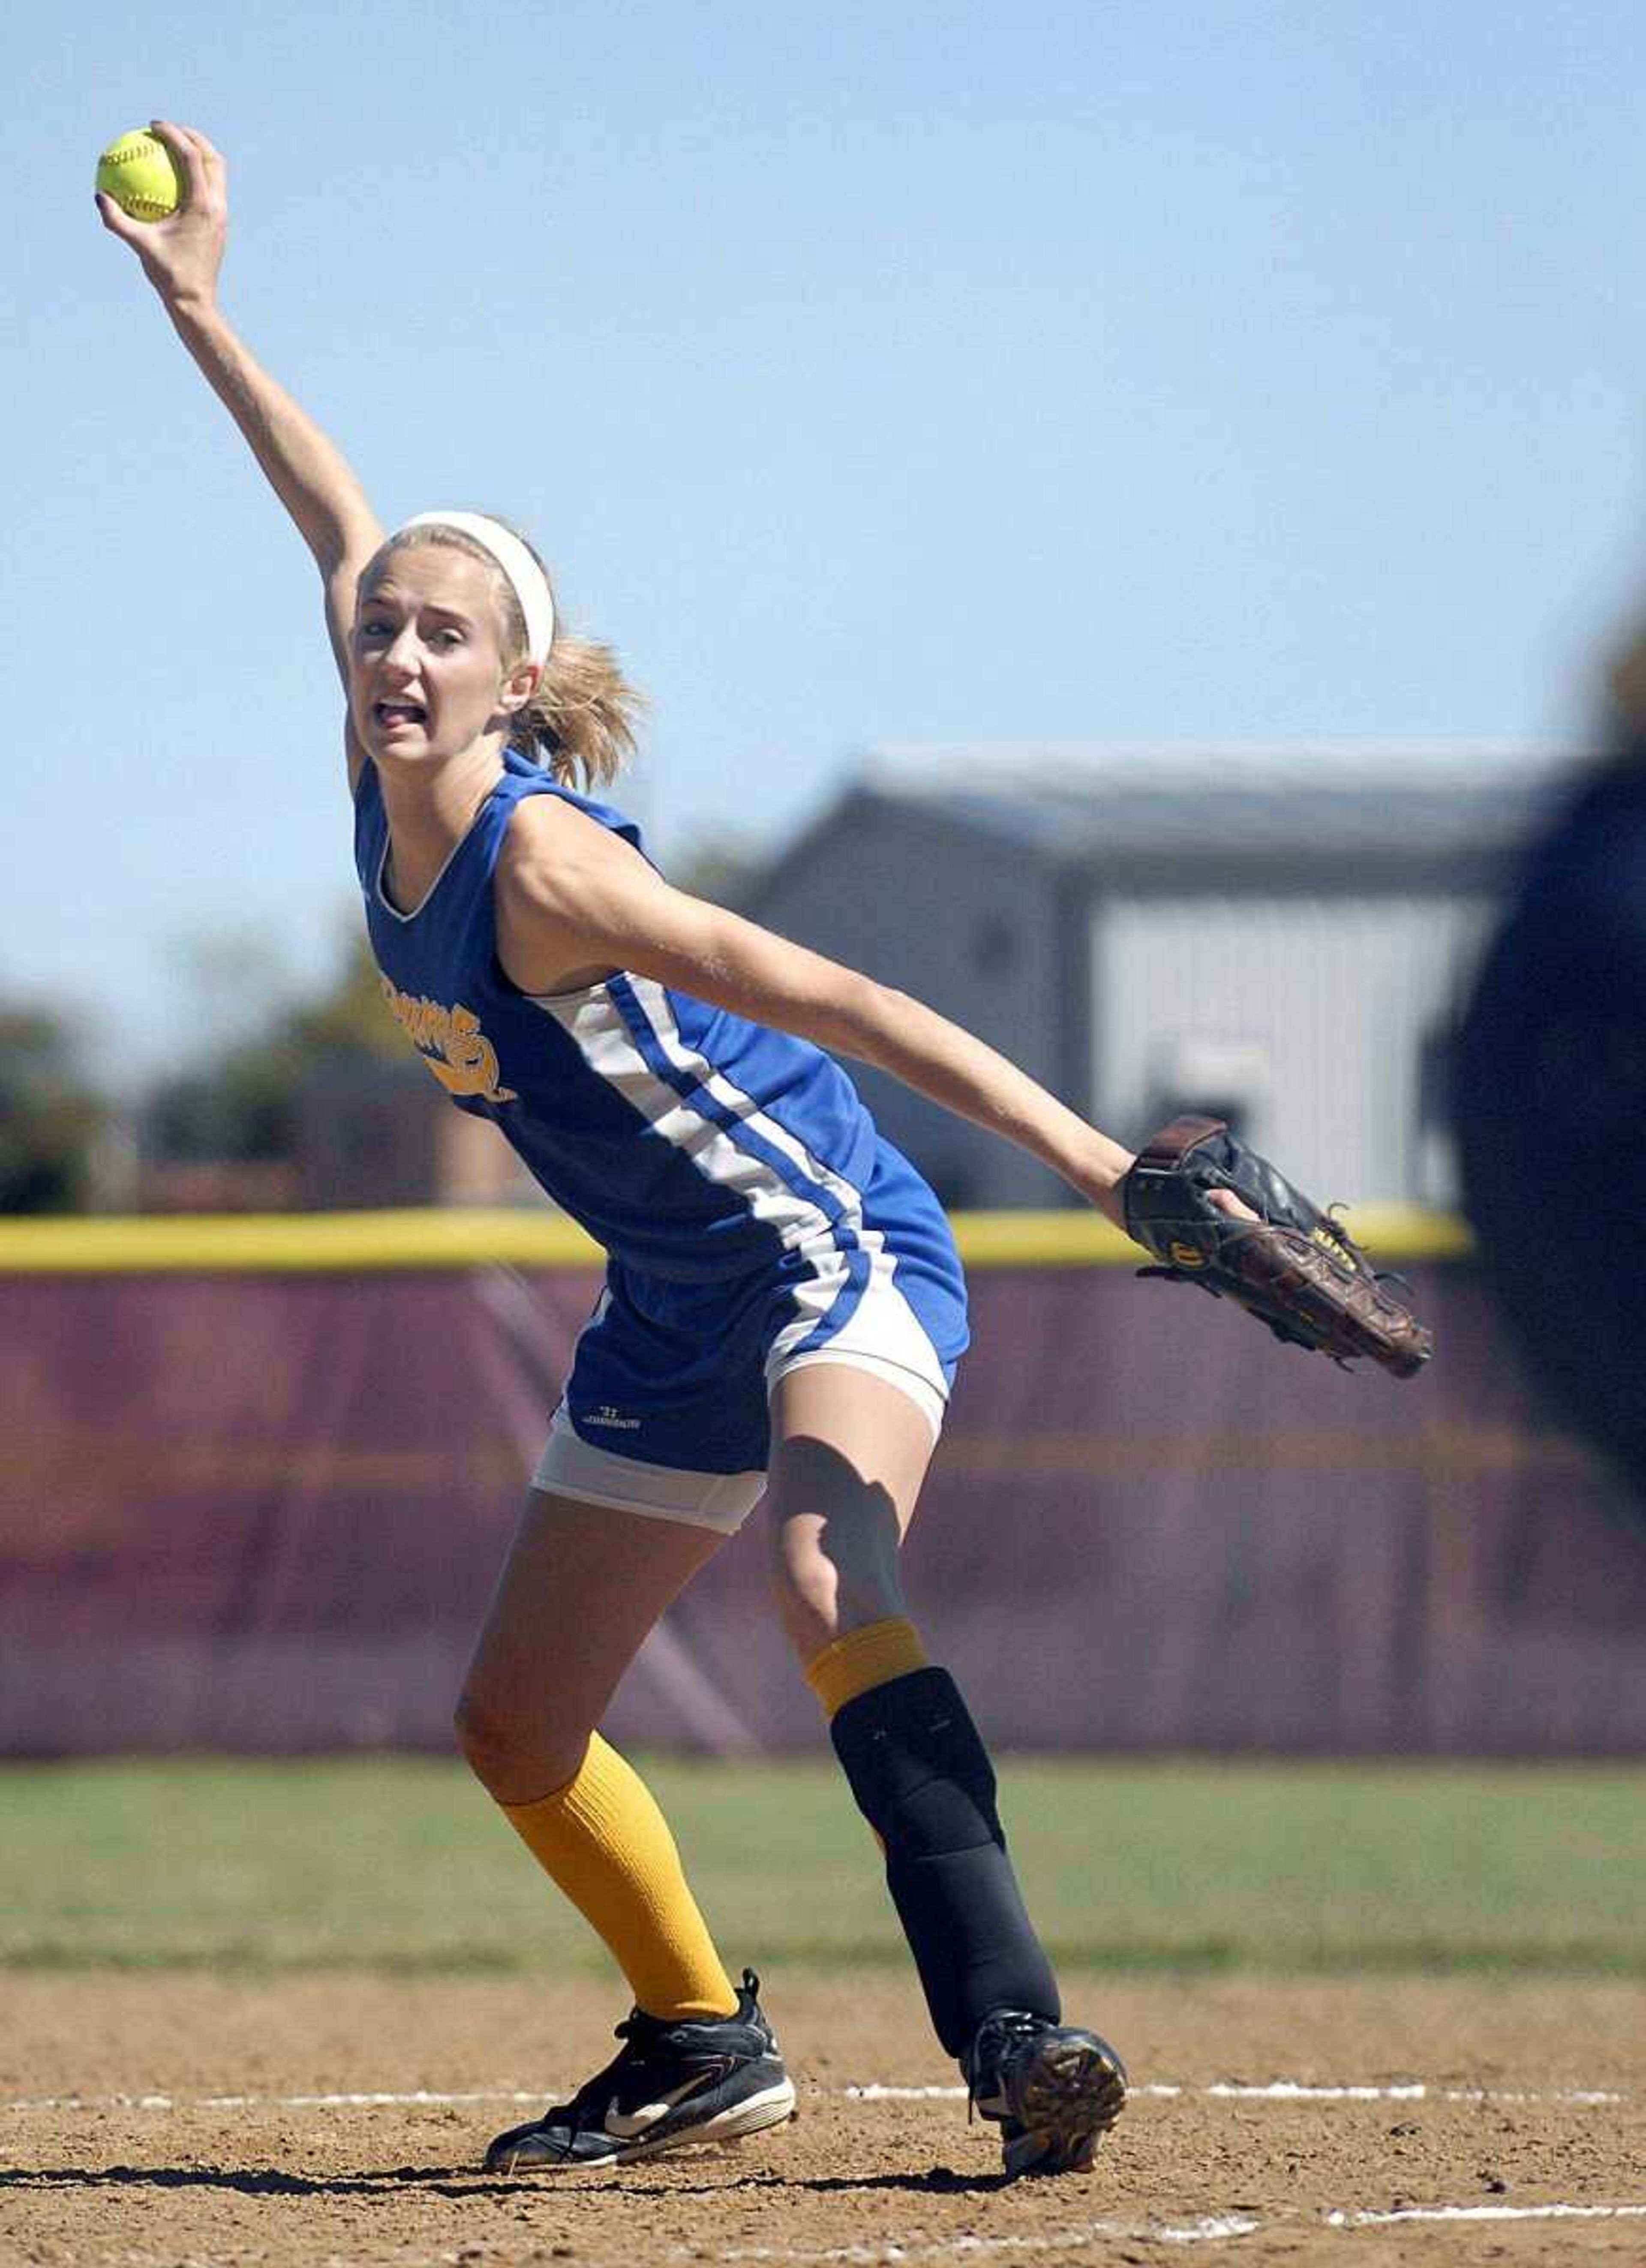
(1212, 1213)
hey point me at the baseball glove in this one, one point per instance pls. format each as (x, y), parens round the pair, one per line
(1295, 1267)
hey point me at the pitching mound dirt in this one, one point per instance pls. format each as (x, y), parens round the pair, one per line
(170, 2119)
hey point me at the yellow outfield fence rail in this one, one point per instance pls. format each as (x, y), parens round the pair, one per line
(461, 1237)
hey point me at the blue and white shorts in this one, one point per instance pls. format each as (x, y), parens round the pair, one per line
(667, 1413)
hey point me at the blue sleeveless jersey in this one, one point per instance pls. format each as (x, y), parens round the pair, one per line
(694, 1145)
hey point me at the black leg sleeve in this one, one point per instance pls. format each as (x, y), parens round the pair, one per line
(923, 1781)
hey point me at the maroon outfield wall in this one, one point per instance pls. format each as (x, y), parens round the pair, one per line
(262, 1512)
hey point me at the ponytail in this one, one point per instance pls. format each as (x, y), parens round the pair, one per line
(580, 725)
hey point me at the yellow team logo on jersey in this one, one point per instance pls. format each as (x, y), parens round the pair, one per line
(452, 1044)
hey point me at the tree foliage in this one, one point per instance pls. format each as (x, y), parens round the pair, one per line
(52, 1118)
(237, 1100)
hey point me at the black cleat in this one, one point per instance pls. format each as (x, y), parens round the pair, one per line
(672, 2084)
(1053, 2090)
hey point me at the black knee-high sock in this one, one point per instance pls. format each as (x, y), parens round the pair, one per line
(923, 1781)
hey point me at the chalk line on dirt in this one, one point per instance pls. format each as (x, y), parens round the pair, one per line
(1287, 2090)
(1214, 2229)
(1432, 2213)
(1223, 2090)
(1080, 2237)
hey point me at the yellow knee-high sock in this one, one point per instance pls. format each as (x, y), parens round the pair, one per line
(860, 1660)
(603, 1840)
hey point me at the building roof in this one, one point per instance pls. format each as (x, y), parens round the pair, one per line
(1093, 807)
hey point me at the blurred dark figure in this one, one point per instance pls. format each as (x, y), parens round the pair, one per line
(1550, 1097)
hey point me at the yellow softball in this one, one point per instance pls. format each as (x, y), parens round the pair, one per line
(141, 175)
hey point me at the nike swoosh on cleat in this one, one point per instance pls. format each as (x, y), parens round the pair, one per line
(624, 2125)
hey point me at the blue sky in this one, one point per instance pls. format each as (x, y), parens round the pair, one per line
(1091, 374)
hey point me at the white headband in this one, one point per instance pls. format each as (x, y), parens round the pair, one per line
(526, 580)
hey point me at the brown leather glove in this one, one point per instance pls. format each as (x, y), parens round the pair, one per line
(1294, 1268)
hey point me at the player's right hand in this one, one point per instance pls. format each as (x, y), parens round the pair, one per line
(181, 254)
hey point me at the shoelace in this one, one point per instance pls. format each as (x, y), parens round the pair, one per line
(637, 2025)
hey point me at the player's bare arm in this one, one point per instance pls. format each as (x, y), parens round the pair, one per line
(181, 256)
(575, 901)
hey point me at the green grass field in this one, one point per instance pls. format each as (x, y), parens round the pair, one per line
(401, 1864)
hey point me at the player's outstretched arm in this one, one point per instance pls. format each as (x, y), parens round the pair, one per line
(572, 900)
(181, 257)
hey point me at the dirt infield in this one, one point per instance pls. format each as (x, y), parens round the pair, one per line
(1488, 2123)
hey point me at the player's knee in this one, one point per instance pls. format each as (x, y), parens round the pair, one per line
(516, 1756)
(482, 1736)
(820, 1591)
(802, 1578)
(808, 1607)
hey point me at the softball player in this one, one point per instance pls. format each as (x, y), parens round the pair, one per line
(784, 1308)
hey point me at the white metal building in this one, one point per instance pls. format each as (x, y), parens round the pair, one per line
(1279, 939)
